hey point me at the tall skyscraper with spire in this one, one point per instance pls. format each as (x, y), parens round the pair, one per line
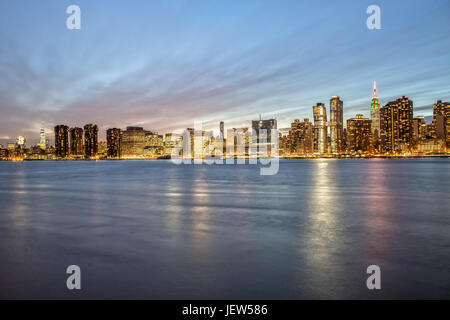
(375, 116)
(42, 142)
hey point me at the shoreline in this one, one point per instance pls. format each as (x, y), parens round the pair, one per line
(280, 158)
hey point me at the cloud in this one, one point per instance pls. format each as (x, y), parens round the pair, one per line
(121, 78)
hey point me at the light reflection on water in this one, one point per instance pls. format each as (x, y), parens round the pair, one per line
(151, 229)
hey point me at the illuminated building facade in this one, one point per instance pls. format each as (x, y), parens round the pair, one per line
(419, 128)
(222, 129)
(447, 126)
(320, 129)
(300, 140)
(238, 142)
(76, 142)
(429, 146)
(375, 112)
(359, 135)
(133, 142)
(260, 125)
(336, 124)
(10, 146)
(263, 136)
(61, 141)
(102, 149)
(441, 121)
(396, 125)
(114, 143)
(172, 144)
(90, 140)
(21, 142)
(42, 142)
(222, 138)
(154, 145)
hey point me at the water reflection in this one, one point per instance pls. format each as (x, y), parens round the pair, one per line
(324, 238)
(226, 232)
(376, 210)
(19, 197)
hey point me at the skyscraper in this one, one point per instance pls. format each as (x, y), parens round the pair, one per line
(42, 143)
(61, 141)
(267, 125)
(21, 142)
(300, 139)
(261, 128)
(375, 116)
(320, 129)
(154, 144)
(359, 135)
(222, 129)
(419, 128)
(396, 130)
(441, 121)
(133, 142)
(76, 142)
(447, 124)
(222, 137)
(336, 124)
(90, 140)
(114, 141)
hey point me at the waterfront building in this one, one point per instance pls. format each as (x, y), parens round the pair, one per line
(300, 140)
(42, 142)
(3, 153)
(172, 144)
(102, 149)
(154, 145)
(419, 128)
(429, 146)
(396, 125)
(336, 124)
(238, 142)
(262, 139)
(90, 140)
(441, 121)
(133, 142)
(11, 146)
(114, 143)
(320, 129)
(21, 142)
(359, 135)
(262, 127)
(61, 141)
(76, 142)
(222, 138)
(375, 114)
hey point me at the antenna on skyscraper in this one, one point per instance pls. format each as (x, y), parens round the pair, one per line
(374, 89)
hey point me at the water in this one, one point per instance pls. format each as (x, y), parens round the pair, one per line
(154, 230)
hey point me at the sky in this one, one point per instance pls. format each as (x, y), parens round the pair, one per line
(165, 64)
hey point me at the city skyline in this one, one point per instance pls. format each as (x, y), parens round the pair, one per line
(391, 130)
(224, 66)
(244, 123)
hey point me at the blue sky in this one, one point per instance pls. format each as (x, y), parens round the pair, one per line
(164, 64)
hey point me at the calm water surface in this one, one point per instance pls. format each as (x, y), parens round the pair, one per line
(151, 229)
